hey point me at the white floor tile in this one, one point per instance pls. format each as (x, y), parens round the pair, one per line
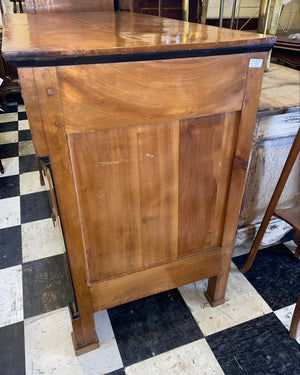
(246, 247)
(11, 295)
(8, 117)
(190, 359)
(285, 316)
(8, 137)
(40, 239)
(21, 108)
(11, 167)
(30, 183)
(23, 125)
(26, 148)
(49, 348)
(10, 214)
(242, 303)
(291, 246)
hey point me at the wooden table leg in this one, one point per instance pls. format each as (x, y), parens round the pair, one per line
(295, 320)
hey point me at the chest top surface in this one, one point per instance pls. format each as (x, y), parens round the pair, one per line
(33, 39)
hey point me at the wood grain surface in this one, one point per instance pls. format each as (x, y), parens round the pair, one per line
(205, 157)
(152, 193)
(50, 6)
(49, 101)
(137, 93)
(153, 280)
(30, 96)
(217, 285)
(108, 33)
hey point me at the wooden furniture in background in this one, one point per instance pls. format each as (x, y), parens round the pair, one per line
(291, 215)
(170, 8)
(50, 6)
(148, 123)
(287, 50)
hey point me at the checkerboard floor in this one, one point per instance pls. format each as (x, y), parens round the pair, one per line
(175, 332)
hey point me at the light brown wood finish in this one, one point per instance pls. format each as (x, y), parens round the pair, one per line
(49, 101)
(217, 285)
(50, 6)
(148, 157)
(105, 168)
(295, 319)
(290, 215)
(107, 33)
(158, 179)
(148, 92)
(30, 97)
(153, 280)
(201, 153)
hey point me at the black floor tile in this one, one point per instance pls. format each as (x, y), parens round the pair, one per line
(34, 207)
(9, 186)
(10, 247)
(12, 353)
(121, 371)
(288, 236)
(28, 163)
(259, 347)
(8, 126)
(22, 116)
(152, 325)
(275, 274)
(11, 108)
(24, 135)
(9, 150)
(45, 286)
(14, 98)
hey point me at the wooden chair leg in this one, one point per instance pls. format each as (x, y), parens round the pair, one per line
(1, 167)
(274, 200)
(296, 239)
(295, 320)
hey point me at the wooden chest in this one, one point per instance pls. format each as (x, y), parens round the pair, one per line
(148, 124)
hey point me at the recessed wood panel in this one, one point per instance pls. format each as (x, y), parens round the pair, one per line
(105, 168)
(205, 152)
(158, 175)
(127, 191)
(138, 93)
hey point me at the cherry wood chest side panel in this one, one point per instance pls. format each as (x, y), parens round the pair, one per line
(137, 93)
(127, 190)
(105, 168)
(205, 144)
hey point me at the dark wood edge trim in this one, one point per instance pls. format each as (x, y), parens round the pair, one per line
(104, 59)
